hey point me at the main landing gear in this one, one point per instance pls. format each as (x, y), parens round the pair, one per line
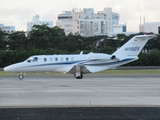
(78, 73)
(79, 77)
(21, 76)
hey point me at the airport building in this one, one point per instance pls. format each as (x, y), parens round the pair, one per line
(36, 21)
(87, 23)
(7, 29)
(150, 27)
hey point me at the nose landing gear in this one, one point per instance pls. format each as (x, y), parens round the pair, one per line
(21, 76)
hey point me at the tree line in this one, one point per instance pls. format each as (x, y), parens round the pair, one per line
(16, 47)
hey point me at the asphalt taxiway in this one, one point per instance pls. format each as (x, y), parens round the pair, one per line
(92, 91)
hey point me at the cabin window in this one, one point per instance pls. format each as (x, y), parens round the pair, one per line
(61, 59)
(56, 59)
(45, 59)
(51, 59)
(67, 58)
(72, 58)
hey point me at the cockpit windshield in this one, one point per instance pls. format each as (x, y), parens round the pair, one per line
(32, 59)
(29, 59)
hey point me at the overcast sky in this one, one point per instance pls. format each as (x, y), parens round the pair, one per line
(18, 12)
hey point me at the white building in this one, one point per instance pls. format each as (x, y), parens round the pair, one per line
(119, 28)
(36, 21)
(150, 27)
(66, 22)
(7, 29)
(86, 23)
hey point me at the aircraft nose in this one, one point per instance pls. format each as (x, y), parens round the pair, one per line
(9, 68)
(13, 68)
(6, 69)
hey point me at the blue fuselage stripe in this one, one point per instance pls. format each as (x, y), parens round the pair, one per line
(84, 62)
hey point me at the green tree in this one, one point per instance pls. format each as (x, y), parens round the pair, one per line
(2, 40)
(152, 44)
(74, 43)
(154, 57)
(44, 37)
(39, 36)
(17, 40)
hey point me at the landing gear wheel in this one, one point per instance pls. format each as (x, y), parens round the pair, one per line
(21, 77)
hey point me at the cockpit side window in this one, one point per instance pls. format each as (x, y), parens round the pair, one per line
(35, 59)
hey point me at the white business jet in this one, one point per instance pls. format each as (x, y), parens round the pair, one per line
(79, 64)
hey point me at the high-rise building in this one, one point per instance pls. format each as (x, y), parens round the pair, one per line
(87, 23)
(36, 21)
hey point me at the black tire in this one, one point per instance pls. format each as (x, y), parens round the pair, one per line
(80, 77)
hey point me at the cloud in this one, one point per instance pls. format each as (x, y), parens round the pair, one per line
(23, 11)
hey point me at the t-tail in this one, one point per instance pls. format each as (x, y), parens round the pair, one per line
(132, 48)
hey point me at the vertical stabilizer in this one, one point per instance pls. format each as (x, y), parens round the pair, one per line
(133, 47)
